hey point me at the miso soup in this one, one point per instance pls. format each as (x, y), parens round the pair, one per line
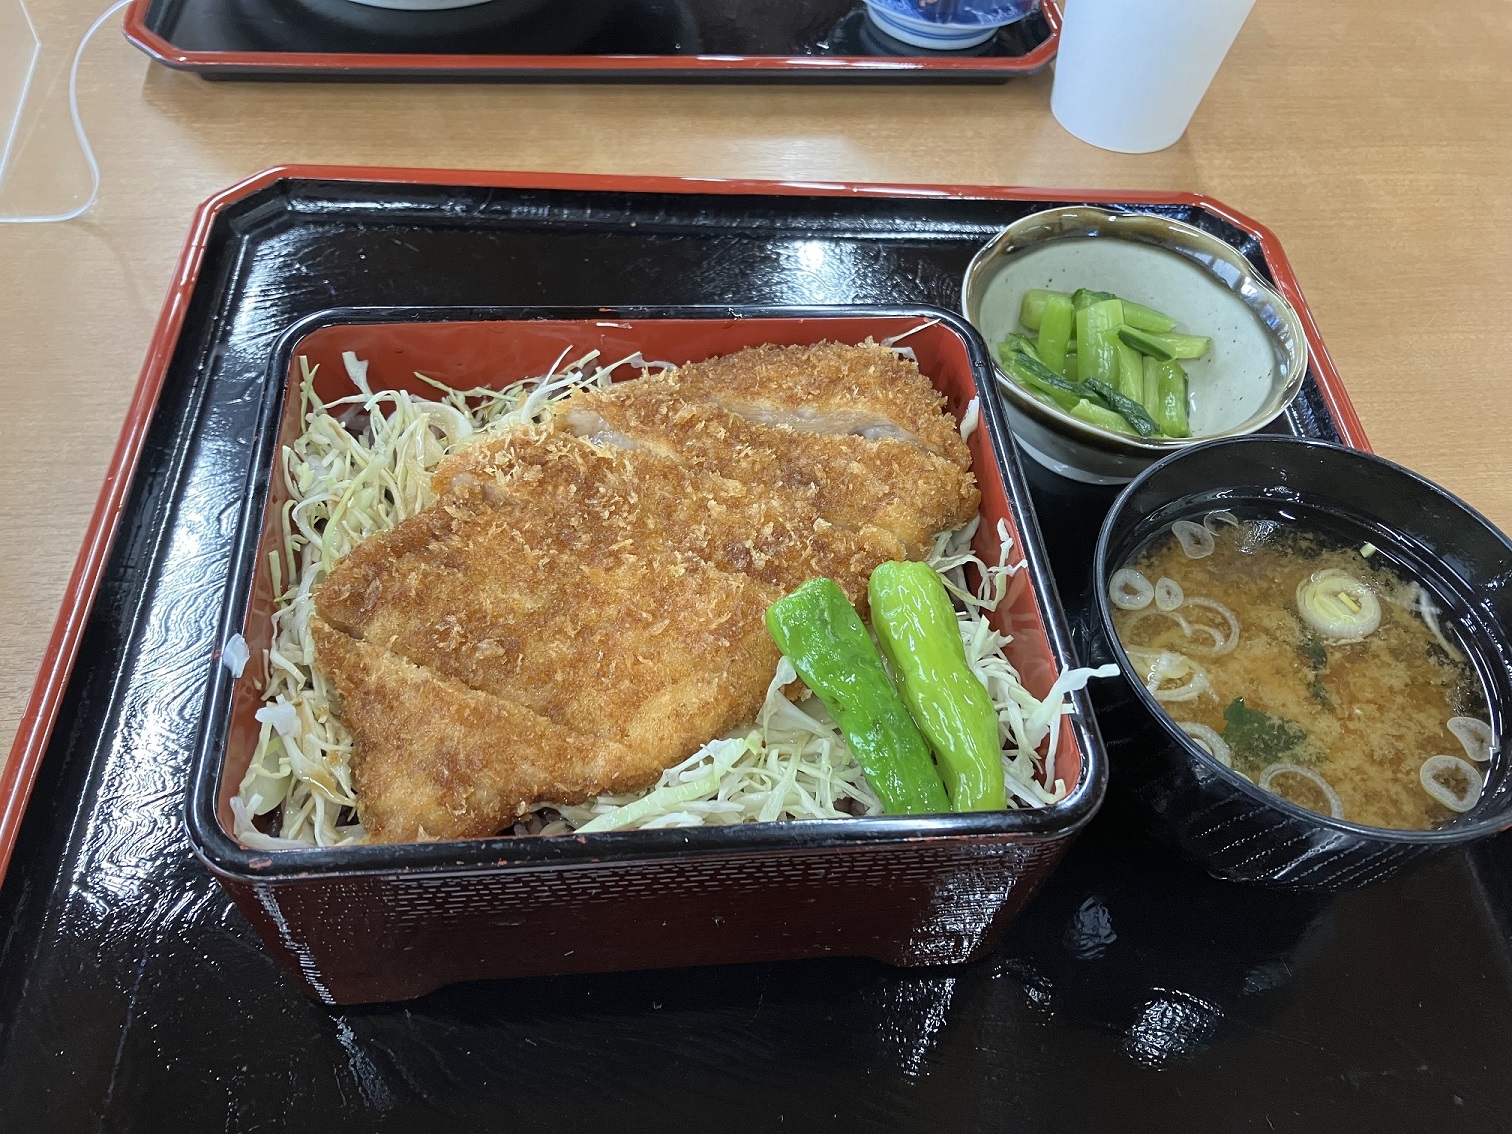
(1309, 663)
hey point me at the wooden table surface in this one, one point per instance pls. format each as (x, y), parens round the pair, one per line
(1373, 136)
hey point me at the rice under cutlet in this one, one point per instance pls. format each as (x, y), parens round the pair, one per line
(557, 490)
(852, 481)
(868, 390)
(437, 760)
(653, 648)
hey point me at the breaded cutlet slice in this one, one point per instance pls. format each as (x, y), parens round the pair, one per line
(854, 482)
(555, 489)
(433, 759)
(653, 648)
(866, 390)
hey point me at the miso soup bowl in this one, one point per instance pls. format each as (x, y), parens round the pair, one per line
(1211, 814)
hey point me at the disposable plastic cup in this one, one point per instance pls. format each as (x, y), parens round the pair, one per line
(1129, 76)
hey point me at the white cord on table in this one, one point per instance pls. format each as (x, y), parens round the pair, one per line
(78, 123)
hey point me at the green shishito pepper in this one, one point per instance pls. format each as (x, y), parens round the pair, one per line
(820, 632)
(917, 627)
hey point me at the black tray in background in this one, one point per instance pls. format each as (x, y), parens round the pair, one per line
(561, 41)
(1134, 994)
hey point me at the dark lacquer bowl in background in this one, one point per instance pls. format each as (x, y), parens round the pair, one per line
(1212, 814)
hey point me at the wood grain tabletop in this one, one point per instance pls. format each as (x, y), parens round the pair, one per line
(1373, 136)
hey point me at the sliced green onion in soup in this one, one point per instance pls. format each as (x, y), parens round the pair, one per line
(1196, 541)
(1168, 593)
(1433, 773)
(1128, 589)
(1213, 520)
(1338, 606)
(1475, 735)
(1269, 776)
(1209, 741)
(1157, 667)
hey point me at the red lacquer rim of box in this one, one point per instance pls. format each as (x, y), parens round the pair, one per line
(40, 715)
(456, 66)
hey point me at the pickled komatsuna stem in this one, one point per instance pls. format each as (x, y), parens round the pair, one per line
(1129, 409)
(1149, 396)
(1016, 344)
(1038, 377)
(1173, 395)
(1182, 346)
(1096, 354)
(1057, 325)
(819, 631)
(1135, 315)
(1101, 416)
(1130, 372)
(1032, 306)
(1151, 346)
(920, 636)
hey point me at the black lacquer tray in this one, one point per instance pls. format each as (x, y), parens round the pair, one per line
(1133, 994)
(804, 41)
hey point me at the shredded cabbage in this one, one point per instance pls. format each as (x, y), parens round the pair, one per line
(794, 763)
(791, 763)
(345, 485)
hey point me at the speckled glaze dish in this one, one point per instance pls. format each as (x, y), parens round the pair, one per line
(1211, 813)
(1255, 368)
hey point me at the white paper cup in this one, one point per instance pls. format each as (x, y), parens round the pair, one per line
(1129, 75)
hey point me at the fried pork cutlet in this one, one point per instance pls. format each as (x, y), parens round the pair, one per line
(442, 761)
(852, 481)
(653, 648)
(865, 390)
(557, 490)
(575, 614)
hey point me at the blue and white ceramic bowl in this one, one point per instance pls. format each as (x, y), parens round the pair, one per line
(946, 25)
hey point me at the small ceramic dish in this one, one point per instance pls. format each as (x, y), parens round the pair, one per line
(1258, 358)
(945, 25)
(1206, 810)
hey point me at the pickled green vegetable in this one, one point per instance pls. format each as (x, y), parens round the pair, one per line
(1016, 343)
(1057, 325)
(1153, 346)
(1032, 306)
(822, 635)
(1096, 353)
(1105, 360)
(1041, 379)
(1184, 346)
(1136, 315)
(1149, 395)
(921, 639)
(1174, 398)
(1130, 410)
(1094, 413)
(1130, 371)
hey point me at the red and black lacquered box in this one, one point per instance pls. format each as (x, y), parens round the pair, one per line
(371, 923)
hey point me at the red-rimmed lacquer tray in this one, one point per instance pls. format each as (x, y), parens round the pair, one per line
(803, 41)
(133, 994)
(1328, 401)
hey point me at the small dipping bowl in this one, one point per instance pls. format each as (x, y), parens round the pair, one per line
(1210, 813)
(1255, 367)
(945, 25)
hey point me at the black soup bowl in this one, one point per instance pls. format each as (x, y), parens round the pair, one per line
(1210, 813)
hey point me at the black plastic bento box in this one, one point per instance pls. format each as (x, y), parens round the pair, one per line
(388, 922)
